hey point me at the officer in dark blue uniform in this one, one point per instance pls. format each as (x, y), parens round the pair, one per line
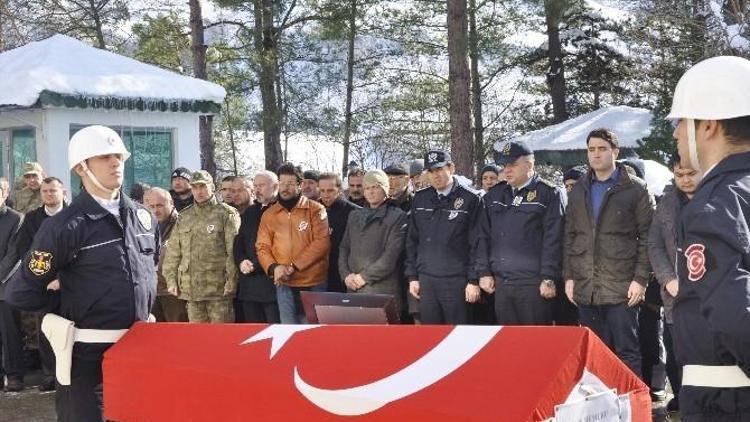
(520, 240)
(441, 245)
(102, 250)
(712, 307)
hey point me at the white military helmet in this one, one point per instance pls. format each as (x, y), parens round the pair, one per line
(714, 89)
(93, 141)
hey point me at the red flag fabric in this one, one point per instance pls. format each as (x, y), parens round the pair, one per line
(240, 372)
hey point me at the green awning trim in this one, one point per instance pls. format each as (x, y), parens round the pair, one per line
(49, 98)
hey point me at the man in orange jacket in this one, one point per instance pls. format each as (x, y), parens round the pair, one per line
(293, 244)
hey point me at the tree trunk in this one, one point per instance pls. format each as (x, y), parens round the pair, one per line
(349, 83)
(94, 11)
(553, 11)
(462, 147)
(476, 89)
(205, 123)
(267, 53)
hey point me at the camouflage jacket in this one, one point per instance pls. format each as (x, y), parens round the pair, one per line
(27, 200)
(199, 260)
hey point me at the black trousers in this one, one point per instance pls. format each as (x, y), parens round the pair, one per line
(521, 304)
(46, 354)
(443, 300)
(653, 355)
(564, 312)
(674, 369)
(617, 326)
(259, 312)
(12, 340)
(81, 401)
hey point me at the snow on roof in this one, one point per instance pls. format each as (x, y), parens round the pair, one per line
(67, 66)
(657, 177)
(629, 123)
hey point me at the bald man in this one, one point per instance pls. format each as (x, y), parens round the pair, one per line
(167, 308)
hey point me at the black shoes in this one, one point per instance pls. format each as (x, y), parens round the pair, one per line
(48, 384)
(14, 384)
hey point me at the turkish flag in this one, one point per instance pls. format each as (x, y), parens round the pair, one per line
(240, 372)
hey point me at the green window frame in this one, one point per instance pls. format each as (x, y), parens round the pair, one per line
(151, 157)
(20, 149)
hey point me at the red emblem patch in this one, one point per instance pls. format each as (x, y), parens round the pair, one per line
(696, 261)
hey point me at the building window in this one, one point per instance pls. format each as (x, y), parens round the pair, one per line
(17, 146)
(150, 160)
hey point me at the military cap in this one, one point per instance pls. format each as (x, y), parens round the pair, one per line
(512, 151)
(312, 175)
(397, 169)
(182, 172)
(436, 158)
(32, 168)
(201, 177)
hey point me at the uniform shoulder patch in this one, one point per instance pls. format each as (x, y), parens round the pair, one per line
(40, 263)
(144, 217)
(696, 261)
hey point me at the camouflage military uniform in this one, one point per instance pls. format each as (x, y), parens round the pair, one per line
(199, 260)
(27, 199)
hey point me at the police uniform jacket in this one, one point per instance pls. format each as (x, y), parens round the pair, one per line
(712, 307)
(442, 235)
(604, 256)
(200, 260)
(256, 286)
(521, 233)
(106, 267)
(10, 222)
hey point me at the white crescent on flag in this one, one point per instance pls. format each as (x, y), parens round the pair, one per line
(454, 350)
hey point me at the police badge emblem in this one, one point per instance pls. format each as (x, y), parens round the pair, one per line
(531, 195)
(432, 157)
(458, 203)
(210, 228)
(696, 261)
(144, 217)
(40, 262)
(302, 226)
(506, 149)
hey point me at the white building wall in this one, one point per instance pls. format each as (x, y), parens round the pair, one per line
(53, 132)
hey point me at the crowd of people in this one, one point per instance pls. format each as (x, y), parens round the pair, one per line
(600, 251)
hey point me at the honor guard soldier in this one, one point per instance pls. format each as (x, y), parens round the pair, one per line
(520, 240)
(712, 306)
(441, 245)
(102, 250)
